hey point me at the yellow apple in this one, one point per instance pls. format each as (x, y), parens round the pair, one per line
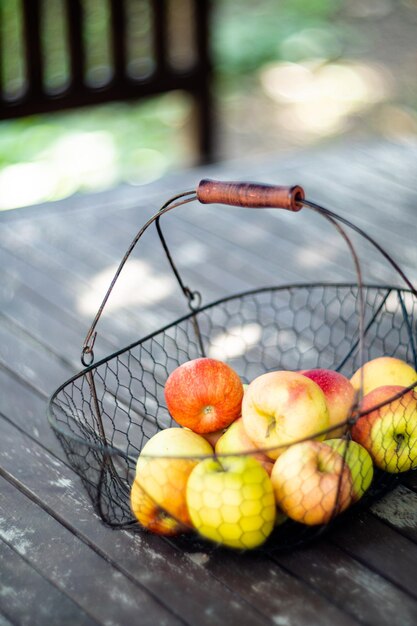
(311, 482)
(384, 370)
(358, 461)
(235, 440)
(283, 407)
(151, 515)
(389, 432)
(231, 501)
(158, 494)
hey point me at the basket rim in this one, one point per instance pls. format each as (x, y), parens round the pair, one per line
(220, 301)
(110, 449)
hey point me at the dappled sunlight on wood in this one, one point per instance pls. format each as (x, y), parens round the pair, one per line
(318, 97)
(138, 284)
(235, 341)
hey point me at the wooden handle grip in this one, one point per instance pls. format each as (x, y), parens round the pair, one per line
(252, 195)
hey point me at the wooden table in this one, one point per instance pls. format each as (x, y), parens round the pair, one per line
(59, 563)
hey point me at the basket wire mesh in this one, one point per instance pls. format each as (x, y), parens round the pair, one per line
(105, 414)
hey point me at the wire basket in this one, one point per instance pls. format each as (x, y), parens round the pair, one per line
(258, 497)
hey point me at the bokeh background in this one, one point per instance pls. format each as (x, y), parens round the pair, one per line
(288, 75)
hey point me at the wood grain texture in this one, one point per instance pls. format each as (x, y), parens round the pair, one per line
(150, 562)
(97, 586)
(56, 260)
(22, 586)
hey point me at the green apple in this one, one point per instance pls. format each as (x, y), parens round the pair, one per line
(235, 440)
(231, 501)
(388, 430)
(359, 462)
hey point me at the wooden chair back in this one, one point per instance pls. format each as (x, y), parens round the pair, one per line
(149, 47)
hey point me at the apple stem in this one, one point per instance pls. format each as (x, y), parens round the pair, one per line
(218, 465)
(270, 427)
(399, 438)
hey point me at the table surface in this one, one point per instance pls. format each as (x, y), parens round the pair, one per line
(59, 563)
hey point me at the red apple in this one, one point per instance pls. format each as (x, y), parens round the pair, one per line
(311, 482)
(282, 407)
(204, 395)
(339, 394)
(389, 433)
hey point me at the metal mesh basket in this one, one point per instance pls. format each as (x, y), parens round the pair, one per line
(106, 414)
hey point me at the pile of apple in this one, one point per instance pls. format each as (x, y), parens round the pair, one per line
(248, 457)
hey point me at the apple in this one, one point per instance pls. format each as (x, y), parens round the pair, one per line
(151, 515)
(311, 482)
(231, 501)
(162, 470)
(339, 394)
(235, 440)
(358, 460)
(389, 432)
(214, 437)
(384, 370)
(204, 394)
(280, 517)
(283, 407)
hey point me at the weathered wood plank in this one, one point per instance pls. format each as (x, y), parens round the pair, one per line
(373, 214)
(65, 294)
(30, 360)
(61, 276)
(48, 318)
(216, 563)
(26, 408)
(399, 509)
(4, 621)
(211, 270)
(305, 241)
(392, 162)
(42, 319)
(146, 559)
(22, 587)
(356, 589)
(94, 584)
(276, 589)
(388, 553)
(149, 276)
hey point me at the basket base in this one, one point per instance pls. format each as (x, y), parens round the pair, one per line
(291, 535)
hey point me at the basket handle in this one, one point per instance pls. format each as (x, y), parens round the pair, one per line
(241, 194)
(251, 195)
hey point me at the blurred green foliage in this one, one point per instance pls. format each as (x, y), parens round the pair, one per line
(248, 34)
(245, 36)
